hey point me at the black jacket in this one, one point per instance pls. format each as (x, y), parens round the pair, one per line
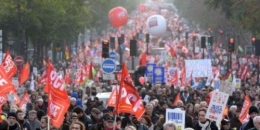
(24, 124)
(212, 126)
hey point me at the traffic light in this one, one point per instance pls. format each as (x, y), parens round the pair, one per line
(257, 47)
(231, 45)
(140, 72)
(187, 35)
(105, 49)
(210, 40)
(253, 40)
(194, 36)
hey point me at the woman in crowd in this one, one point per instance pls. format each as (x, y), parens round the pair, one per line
(77, 126)
(204, 123)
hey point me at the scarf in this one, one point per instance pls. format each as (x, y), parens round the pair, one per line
(205, 126)
(185, 97)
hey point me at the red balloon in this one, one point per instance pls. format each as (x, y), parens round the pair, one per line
(118, 16)
(142, 80)
(142, 8)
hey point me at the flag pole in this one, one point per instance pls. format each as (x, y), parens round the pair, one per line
(114, 124)
(49, 122)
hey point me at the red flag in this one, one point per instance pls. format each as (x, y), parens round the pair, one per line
(67, 77)
(58, 101)
(177, 98)
(16, 98)
(43, 78)
(90, 71)
(111, 101)
(67, 53)
(175, 77)
(243, 117)
(3, 99)
(172, 52)
(142, 60)
(55, 83)
(24, 75)
(6, 85)
(9, 65)
(57, 107)
(129, 101)
(25, 99)
(78, 77)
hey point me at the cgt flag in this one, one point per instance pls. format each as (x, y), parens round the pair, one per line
(128, 100)
(58, 100)
(9, 65)
(6, 85)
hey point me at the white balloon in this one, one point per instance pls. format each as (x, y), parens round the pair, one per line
(156, 25)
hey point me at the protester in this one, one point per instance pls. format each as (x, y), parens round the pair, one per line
(253, 112)
(225, 124)
(169, 126)
(12, 121)
(203, 123)
(77, 126)
(22, 122)
(76, 84)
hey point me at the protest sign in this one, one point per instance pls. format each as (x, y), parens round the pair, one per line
(177, 116)
(237, 83)
(226, 87)
(198, 68)
(216, 106)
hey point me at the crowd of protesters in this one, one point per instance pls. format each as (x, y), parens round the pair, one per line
(88, 112)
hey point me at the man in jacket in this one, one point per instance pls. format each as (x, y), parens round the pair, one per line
(253, 111)
(20, 118)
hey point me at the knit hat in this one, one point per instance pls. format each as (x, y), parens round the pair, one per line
(12, 114)
(253, 109)
(224, 122)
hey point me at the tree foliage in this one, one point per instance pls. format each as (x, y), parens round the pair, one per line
(55, 21)
(196, 11)
(244, 13)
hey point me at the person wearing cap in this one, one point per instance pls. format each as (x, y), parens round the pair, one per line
(253, 111)
(95, 116)
(109, 123)
(225, 124)
(12, 121)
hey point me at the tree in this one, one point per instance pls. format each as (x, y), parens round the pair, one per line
(244, 13)
(42, 22)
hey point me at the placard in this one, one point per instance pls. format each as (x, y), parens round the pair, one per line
(198, 68)
(177, 116)
(226, 87)
(217, 105)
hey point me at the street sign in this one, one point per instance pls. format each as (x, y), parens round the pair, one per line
(113, 55)
(18, 60)
(108, 76)
(108, 66)
(122, 47)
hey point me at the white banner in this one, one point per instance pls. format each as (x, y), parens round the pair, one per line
(177, 116)
(198, 68)
(217, 106)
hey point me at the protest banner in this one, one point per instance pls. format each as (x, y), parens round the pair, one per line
(217, 106)
(198, 68)
(237, 83)
(226, 87)
(177, 116)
